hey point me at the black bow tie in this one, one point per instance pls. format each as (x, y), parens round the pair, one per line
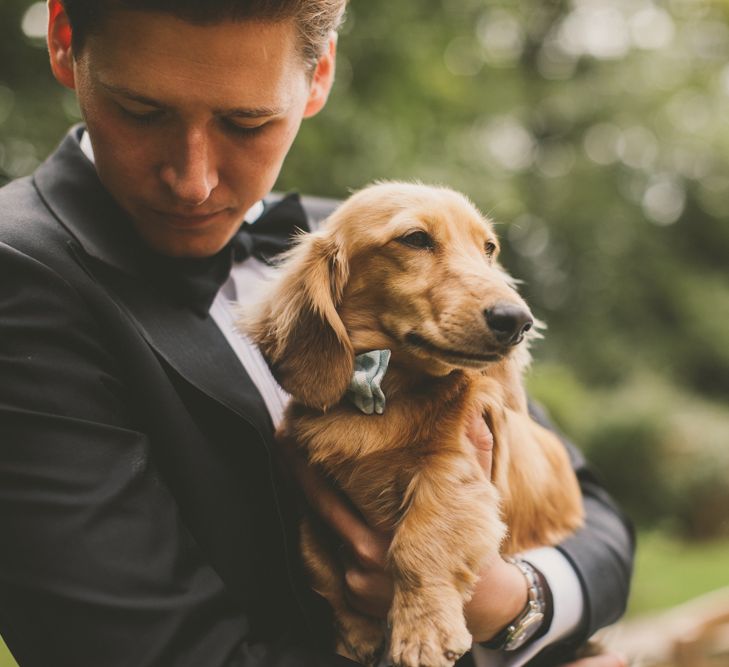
(195, 282)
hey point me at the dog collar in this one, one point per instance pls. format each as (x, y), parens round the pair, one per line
(364, 388)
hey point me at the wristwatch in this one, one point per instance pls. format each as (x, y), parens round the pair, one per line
(531, 619)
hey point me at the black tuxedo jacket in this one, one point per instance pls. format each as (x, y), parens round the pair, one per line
(142, 517)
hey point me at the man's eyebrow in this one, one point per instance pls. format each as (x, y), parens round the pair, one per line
(130, 94)
(256, 112)
(239, 112)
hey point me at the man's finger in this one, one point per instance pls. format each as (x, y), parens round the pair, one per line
(481, 438)
(327, 502)
(364, 543)
(367, 592)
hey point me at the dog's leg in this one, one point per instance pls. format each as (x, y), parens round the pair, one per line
(450, 525)
(359, 637)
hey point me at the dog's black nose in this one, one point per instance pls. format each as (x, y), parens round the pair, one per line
(509, 322)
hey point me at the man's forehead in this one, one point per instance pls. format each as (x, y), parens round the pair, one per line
(161, 36)
(246, 65)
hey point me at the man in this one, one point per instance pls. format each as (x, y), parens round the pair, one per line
(143, 515)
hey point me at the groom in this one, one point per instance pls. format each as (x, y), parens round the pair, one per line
(144, 518)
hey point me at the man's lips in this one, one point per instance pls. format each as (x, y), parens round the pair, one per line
(189, 219)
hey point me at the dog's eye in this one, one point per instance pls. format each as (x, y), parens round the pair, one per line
(417, 239)
(490, 248)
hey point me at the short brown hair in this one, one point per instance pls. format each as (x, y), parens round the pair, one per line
(315, 19)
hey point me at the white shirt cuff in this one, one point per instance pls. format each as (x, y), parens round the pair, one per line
(568, 606)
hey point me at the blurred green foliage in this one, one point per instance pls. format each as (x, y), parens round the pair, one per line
(669, 572)
(596, 133)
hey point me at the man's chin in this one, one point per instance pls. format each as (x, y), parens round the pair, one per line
(183, 245)
(167, 238)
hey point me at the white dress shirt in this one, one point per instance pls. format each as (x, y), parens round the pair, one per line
(244, 283)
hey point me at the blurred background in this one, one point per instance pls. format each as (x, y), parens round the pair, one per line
(596, 133)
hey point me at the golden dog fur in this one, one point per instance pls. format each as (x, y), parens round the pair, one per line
(364, 282)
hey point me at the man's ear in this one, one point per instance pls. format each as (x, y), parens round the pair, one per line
(59, 44)
(323, 79)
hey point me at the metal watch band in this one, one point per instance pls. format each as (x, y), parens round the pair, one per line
(529, 621)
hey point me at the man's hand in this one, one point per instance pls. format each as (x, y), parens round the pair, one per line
(500, 594)
(482, 440)
(363, 549)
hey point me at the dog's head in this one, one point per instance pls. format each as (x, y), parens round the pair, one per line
(407, 267)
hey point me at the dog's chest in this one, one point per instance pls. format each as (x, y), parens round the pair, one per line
(374, 458)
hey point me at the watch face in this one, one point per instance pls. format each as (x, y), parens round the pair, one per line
(524, 631)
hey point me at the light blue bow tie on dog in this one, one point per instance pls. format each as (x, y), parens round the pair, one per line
(365, 389)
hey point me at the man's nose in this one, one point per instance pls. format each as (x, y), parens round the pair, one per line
(190, 171)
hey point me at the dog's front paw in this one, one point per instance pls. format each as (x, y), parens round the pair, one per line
(422, 640)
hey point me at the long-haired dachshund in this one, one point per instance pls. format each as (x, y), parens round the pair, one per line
(413, 270)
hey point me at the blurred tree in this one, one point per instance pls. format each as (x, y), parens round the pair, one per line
(595, 130)
(34, 110)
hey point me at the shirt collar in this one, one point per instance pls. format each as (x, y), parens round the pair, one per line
(86, 147)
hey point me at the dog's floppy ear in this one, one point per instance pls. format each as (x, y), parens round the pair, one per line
(297, 327)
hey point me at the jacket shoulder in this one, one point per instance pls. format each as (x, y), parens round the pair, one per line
(26, 223)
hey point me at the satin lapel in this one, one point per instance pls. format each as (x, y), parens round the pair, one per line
(111, 252)
(193, 346)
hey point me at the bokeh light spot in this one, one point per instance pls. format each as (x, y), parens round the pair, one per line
(35, 21)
